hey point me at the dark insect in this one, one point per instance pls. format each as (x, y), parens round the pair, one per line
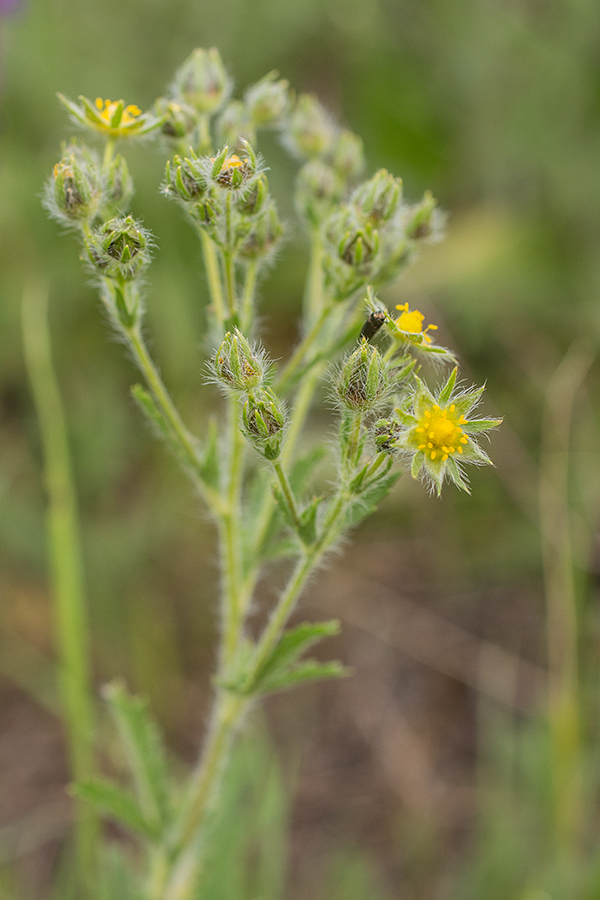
(373, 324)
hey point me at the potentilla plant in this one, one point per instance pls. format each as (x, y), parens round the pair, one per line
(248, 469)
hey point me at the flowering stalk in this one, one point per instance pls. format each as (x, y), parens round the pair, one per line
(361, 235)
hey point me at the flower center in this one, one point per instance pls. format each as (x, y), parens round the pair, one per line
(439, 432)
(107, 109)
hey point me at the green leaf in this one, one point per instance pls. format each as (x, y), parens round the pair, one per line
(113, 801)
(116, 878)
(211, 457)
(367, 502)
(144, 752)
(292, 644)
(308, 516)
(308, 670)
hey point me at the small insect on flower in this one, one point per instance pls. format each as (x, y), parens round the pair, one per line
(373, 324)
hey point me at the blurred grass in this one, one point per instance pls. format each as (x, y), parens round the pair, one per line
(496, 108)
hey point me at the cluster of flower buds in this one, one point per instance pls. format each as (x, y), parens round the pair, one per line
(243, 369)
(371, 236)
(264, 105)
(228, 196)
(333, 158)
(362, 382)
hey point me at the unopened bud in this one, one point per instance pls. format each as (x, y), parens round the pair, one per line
(237, 364)
(228, 170)
(267, 100)
(385, 434)
(347, 155)
(186, 179)
(362, 381)
(73, 192)
(318, 188)
(263, 236)
(310, 132)
(179, 120)
(424, 220)
(202, 81)
(120, 248)
(264, 420)
(233, 124)
(377, 199)
(358, 248)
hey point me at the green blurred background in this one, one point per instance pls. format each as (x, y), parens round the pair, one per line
(430, 773)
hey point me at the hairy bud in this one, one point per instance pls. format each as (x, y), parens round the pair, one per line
(73, 191)
(120, 248)
(377, 199)
(237, 365)
(202, 81)
(267, 100)
(264, 420)
(362, 381)
(310, 132)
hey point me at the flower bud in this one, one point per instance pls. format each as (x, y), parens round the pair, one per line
(202, 81)
(385, 434)
(310, 132)
(230, 171)
(362, 381)
(186, 179)
(179, 120)
(263, 236)
(267, 100)
(233, 125)
(318, 188)
(424, 221)
(120, 248)
(237, 365)
(377, 199)
(264, 420)
(347, 156)
(118, 185)
(358, 248)
(73, 192)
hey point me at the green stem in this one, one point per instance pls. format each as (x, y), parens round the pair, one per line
(299, 353)
(109, 152)
(228, 258)
(74, 651)
(213, 277)
(248, 297)
(204, 134)
(175, 873)
(313, 295)
(286, 603)
(288, 494)
(230, 538)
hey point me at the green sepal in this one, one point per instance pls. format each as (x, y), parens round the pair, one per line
(417, 464)
(218, 161)
(456, 476)
(144, 753)
(113, 801)
(72, 108)
(446, 391)
(476, 425)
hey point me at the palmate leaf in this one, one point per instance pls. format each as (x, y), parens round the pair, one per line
(144, 753)
(113, 801)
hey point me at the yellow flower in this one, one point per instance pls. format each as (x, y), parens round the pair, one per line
(108, 108)
(411, 322)
(112, 117)
(439, 432)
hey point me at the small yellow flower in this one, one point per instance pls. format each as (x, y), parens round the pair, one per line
(410, 321)
(439, 432)
(111, 117)
(108, 108)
